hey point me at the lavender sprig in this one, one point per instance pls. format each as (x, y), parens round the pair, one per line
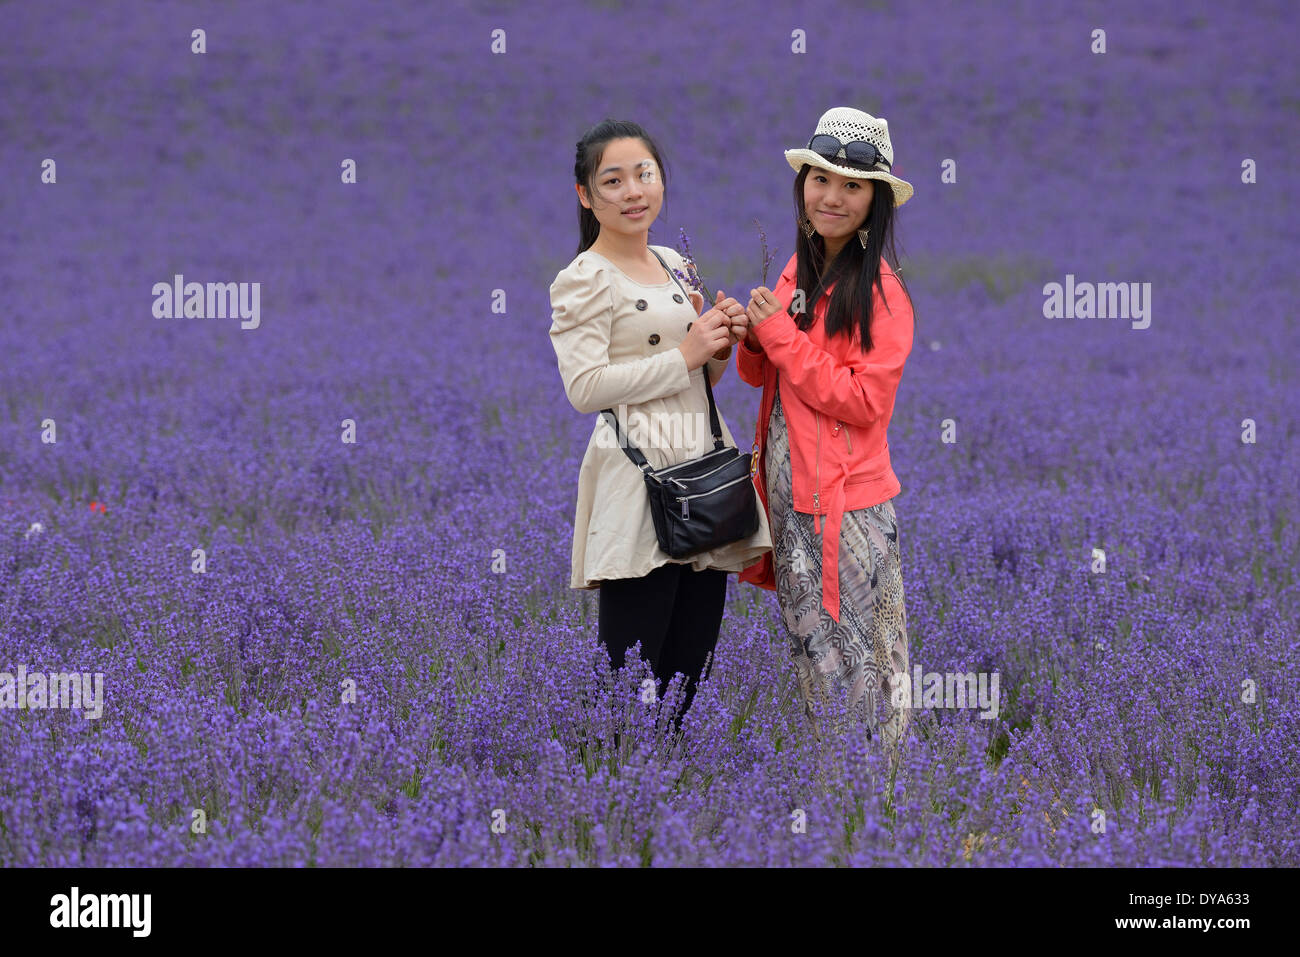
(692, 274)
(768, 255)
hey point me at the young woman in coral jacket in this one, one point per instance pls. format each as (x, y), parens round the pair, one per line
(828, 346)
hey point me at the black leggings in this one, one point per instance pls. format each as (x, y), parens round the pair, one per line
(674, 611)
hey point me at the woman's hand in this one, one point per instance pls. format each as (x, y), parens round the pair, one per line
(739, 321)
(763, 304)
(707, 335)
(733, 319)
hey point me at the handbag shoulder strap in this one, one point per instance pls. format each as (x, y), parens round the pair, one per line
(708, 387)
(632, 452)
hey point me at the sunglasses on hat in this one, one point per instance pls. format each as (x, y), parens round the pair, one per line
(857, 155)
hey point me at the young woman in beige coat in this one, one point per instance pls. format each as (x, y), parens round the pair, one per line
(626, 338)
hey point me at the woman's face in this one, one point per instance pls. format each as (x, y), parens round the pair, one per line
(627, 177)
(826, 193)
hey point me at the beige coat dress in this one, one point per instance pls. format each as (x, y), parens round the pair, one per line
(613, 355)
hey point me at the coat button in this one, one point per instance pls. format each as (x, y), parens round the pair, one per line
(640, 304)
(654, 338)
(677, 297)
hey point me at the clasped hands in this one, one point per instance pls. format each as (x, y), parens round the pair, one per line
(739, 319)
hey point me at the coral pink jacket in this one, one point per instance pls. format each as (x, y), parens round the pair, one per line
(837, 402)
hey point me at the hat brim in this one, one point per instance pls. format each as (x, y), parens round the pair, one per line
(901, 187)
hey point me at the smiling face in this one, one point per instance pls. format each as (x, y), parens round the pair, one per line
(825, 193)
(626, 177)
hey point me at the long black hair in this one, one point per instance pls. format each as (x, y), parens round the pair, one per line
(854, 269)
(590, 148)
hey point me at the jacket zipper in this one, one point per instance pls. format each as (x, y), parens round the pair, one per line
(685, 499)
(817, 508)
(760, 432)
(845, 427)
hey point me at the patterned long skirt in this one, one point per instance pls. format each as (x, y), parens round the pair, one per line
(857, 656)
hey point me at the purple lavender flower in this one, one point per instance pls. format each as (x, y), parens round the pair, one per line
(382, 657)
(692, 274)
(768, 254)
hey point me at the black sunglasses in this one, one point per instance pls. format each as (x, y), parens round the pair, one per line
(857, 155)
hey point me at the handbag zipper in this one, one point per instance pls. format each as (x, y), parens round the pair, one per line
(685, 499)
(670, 468)
(705, 475)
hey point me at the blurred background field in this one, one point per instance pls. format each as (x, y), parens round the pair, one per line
(373, 562)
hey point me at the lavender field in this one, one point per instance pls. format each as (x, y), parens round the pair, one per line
(320, 558)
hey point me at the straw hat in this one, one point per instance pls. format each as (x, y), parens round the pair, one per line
(842, 133)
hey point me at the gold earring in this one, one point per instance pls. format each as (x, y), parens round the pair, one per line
(862, 236)
(808, 228)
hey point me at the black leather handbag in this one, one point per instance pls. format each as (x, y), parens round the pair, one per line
(702, 503)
